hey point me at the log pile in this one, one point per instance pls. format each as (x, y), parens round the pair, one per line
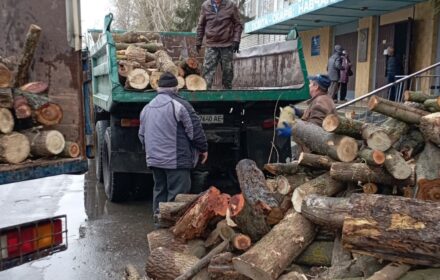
(27, 115)
(345, 209)
(142, 59)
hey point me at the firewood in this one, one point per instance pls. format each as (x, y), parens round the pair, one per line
(428, 173)
(430, 127)
(396, 165)
(395, 129)
(180, 82)
(125, 66)
(6, 121)
(49, 114)
(10, 62)
(30, 45)
(416, 105)
(376, 137)
(195, 82)
(372, 157)
(186, 197)
(71, 150)
(322, 185)
(166, 264)
(411, 144)
(396, 110)
(221, 268)
(6, 100)
(138, 78)
(392, 271)
(285, 241)
(35, 87)
(14, 147)
(34, 100)
(170, 212)
(5, 76)
(340, 125)
(165, 238)
(241, 242)
(165, 63)
(22, 109)
(282, 168)
(293, 276)
(154, 79)
(432, 105)
(318, 253)
(326, 211)
(149, 47)
(315, 161)
(45, 143)
(136, 54)
(236, 204)
(393, 228)
(370, 188)
(190, 66)
(416, 96)
(280, 185)
(135, 37)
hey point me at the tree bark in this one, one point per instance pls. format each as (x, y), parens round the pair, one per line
(14, 148)
(71, 150)
(165, 63)
(186, 197)
(430, 127)
(165, 238)
(376, 138)
(180, 82)
(392, 271)
(372, 157)
(416, 96)
(396, 165)
(411, 144)
(325, 211)
(195, 82)
(279, 184)
(432, 105)
(136, 54)
(135, 37)
(138, 79)
(293, 275)
(396, 110)
(6, 121)
(286, 241)
(49, 114)
(338, 147)
(151, 47)
(393, 228)
(340, 125)
(370, 188)
(154, 79)
(35, 87)
(221, 268)
(395, 129)
(318, 253)
(5, 76)
(165, 264)
(315, 161)
(428, 173)
(6, 100)
(322, 185)
(190, 66)
(45, 143)
(30, 45)
(125, 66)
(282, 168)
(34, 100)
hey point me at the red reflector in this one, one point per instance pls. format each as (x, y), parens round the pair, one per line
(269, 123)
(21, 242)
(130, 122)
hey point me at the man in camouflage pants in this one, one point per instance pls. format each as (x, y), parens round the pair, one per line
(220, 24)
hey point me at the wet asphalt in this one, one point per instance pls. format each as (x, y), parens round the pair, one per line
(103, 237)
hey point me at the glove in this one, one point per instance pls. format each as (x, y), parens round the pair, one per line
(235, 47)
(285, 131)
(198, 48)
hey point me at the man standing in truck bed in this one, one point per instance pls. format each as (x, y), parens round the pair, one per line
(220, 22)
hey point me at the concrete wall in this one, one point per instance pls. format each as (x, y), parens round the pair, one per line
(317, 64)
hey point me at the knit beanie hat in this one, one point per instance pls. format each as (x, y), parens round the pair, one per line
(167, 80)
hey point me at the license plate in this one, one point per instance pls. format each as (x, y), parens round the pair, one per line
(210, 119)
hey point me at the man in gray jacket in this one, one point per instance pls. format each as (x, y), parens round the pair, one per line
(173, 137)
(334, 67)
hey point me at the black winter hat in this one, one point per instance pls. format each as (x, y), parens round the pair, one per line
(167, 80)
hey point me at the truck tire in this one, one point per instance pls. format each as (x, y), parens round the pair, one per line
(100, 128)
(116, 185)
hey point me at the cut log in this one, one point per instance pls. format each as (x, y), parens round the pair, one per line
(241, 242)
(221, 268)
(180, 82)
(340, 125)
(6, 100)
(35, 87)
(376, 138)
(370, 188)
(34, 100)
(279, 184)
(5, 76)
(328, 212)
(355, 172)
(135, 37)
(154, 79)
(236, 204)
(195, 83)
(125, 66)
(415, 96)
(430, 127)
(22, 109)
(165, 238)
(396, 165)
(338, 147)
(49, 114)
(315, 161)
(27, 56)
(319, 253)
(411, 144)
(186, 197)
(293, 275)
(322, 185)
(71, 150)
(170, 212)
(432, 105)
(286, 241)
(14, 148)
(392, 271)
(149, 47)
(395, 129)
(165, 63)
(138, 78)
(416, 105)
(10, 62)
(396, 110)
(372, 157)
(131, 273)
(6, 121)
(136, 54)
(45, 143)
(166, 264)
(428, 173)
(393, 228)
(190, 66)
(282, 168)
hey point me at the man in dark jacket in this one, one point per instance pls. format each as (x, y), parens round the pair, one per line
(334, 67)
(220, 24)
(173, 137)
(393, 68)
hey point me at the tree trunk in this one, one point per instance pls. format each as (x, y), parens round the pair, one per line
(49, 114)
(136, 54)
(376, 137)
(14, 148)
(190, 66)
(165, 63)
(428, 173)
(125, 66)
(355, 172)
(30, 45)
(328, 212)
(186, 197)
(395, 129)
(34, 100)
(165, 264)
(338, 147)
(322, 185)
(285, 241)
(393, 228)
(432, 105)
(392, 271)
(282, 168)
(430, 127)
(6, 100)
(45, 143)
(71, 150)
(293, 275)
(149, 47)
(372, 157)
(411, 144)
(280, 185)
(165, 238)
(138, 79)
(6, 121)
(241, 242)
(154, 79)
(416, 96)
(221, 268)
(35, 87)
(180, 82)
(340, 125)
(370, 188)
(22, 109)
(195, 83)
(5, 76)
(319, 253)
(396, 110)
(396, 165)
(315, 161)
(135, 37)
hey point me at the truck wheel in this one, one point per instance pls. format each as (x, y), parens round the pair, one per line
(116, 185)
(100, 128)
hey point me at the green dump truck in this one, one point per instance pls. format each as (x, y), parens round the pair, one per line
(238, 123)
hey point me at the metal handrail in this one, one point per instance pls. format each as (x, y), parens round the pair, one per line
(387, 86)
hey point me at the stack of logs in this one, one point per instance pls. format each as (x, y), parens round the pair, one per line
(26, 113)
(344, 209)
(142, 59)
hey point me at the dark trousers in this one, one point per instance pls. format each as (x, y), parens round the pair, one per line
(392, 90)
(333, 90)
(168, 183)
(214, 56)
(343, 91)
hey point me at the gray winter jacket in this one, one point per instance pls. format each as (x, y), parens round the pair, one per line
(334, 66)
(171, 131)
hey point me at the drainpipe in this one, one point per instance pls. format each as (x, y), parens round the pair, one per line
(73, 22)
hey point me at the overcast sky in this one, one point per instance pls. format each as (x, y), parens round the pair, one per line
(93, 12)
